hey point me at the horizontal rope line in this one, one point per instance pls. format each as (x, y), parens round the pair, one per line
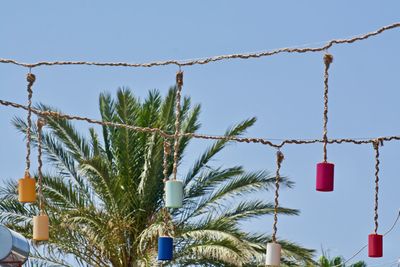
(202, 61)
(200, 136)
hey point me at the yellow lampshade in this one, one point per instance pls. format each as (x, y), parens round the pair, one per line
(41, 227)
(27, 189)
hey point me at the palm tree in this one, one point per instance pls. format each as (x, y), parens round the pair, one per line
(325, 261)
(104, 193)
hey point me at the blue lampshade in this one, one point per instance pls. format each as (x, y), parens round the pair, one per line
(165, 248)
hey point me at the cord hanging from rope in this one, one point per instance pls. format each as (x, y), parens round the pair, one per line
(165, 241)
(325, 170)
(375, 241)
(179, 84)
(41, 221)
(26, 186)
(40, 124)
(30, 79)
(273, 255)
(279, 159)
(377, 163)
(167, 152)
(328, 59)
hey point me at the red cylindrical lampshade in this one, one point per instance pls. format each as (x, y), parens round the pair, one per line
(375, 245)
(325, 174)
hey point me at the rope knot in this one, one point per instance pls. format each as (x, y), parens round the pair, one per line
(167, 148)
(30, 78)
(179, 78)
(41, 122)
(279, 156)
(377, 143)
(328, 59)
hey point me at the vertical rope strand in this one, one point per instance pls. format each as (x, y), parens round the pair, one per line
(279, 159)
(328, 58)
(377, 162)
(164, 211)
(30, 79)
(179, 84)
(40, 123)
(167, 152)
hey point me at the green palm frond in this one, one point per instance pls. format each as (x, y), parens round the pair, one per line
(104, 193)
(217, 147)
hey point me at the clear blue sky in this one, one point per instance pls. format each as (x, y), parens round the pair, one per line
(284, 91)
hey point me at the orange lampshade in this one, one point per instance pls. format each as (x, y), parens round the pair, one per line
(41, 227)
(27, 189)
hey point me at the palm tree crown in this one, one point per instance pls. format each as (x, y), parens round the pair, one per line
(104, 193)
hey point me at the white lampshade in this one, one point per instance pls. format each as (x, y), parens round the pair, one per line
(273, 257)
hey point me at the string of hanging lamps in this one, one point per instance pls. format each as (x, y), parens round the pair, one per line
(173, 196)
(174, 188)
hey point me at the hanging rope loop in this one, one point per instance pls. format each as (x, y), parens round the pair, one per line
(41, 122)
(179, 83)
(378, 142)
(30, 78)
(279, 159)
(328, 59)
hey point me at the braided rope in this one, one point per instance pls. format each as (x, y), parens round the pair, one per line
(203, 61)
(167, 151)
(279, 159)
(30, 78)
(179, 84)
(255, 140)
(377, 162)
(40, 123)
(328, 58)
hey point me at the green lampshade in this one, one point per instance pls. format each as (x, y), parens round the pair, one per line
(173, 194)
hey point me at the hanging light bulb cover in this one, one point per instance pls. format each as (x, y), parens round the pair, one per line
(325, 177)
(273, 257)
(173, 194)
(375, 246)
(165, 248)
(41, 227)
(27, 189)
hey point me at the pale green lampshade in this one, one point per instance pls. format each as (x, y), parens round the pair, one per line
(173, 194)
